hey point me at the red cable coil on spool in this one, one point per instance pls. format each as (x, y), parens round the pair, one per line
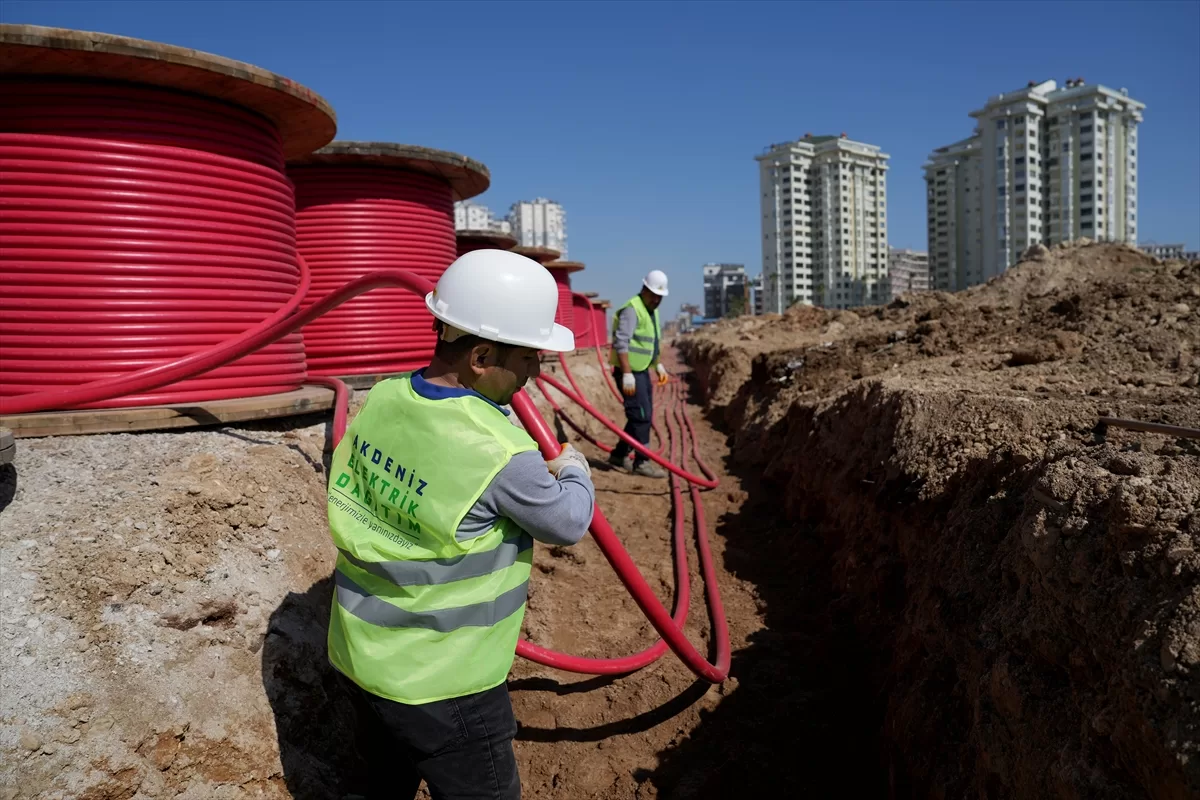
(356, 219)
(138, 225)
(470, 241)
(581, 321)
(565, 314)
(600, 325)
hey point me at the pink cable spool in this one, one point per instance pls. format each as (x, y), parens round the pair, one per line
(581, 311)
(144, 213)
(565, 315)
(595, 332)
(469, 241)
(367, 206)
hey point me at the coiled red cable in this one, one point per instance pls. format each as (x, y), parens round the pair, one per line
(599, 325)
(582, 323)
(138, 225)
(565, 313)
(352, 220)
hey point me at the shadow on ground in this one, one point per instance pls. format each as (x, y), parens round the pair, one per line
(802, 720)
(313, 718)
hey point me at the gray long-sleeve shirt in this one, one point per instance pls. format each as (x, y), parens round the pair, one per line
(553, 511)
(626, 325)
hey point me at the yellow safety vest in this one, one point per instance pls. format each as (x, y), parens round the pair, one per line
(645, 341)
(419, 616)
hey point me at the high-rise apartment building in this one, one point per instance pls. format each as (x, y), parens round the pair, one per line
(539, 223)
(1163, 251)
(908, 271)
(725, 290)
(469, 216)
(756, 295)
(1044, 165)
(824, 222)
(953, 186)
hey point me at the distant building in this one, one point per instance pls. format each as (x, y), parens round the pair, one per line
(908, 271)
(824, 222)
(756, 295)
(1044, 165)
(539, 223)
(1164, 251)
(725, 290)
(469, 216)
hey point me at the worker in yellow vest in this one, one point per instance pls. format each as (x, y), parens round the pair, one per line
(636, 336)
(435, 498)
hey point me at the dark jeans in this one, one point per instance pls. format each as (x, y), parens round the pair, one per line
(462, 747)
(639, 411)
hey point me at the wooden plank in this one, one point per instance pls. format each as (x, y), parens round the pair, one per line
(305, 400)
(305, 119)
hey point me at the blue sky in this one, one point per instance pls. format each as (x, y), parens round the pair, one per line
(643, 119)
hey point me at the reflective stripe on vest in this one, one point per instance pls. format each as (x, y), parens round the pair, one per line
(641, 343)
(419, 616)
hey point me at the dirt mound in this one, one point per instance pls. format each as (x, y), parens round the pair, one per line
(1026, 581)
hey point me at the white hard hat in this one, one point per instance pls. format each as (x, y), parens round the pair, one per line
(656, 281)
(502, 297)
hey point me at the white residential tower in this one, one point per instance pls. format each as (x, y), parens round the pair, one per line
(539, 223)
(1044, 165)
(824, 223)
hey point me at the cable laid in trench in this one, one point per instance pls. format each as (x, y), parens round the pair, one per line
(674, 401)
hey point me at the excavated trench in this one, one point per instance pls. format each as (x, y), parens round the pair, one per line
(1016, 584)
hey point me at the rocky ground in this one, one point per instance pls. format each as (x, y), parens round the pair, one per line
(1024, 581)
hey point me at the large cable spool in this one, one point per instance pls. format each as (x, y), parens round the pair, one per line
(561, 270)
(144, 212)
(469, 241)
(367, 206)
(581, 313)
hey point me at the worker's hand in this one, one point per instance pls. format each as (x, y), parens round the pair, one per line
(628, 384)
(568, 457)
(663, 375)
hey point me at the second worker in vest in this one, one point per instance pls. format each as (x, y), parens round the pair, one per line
(636, 339)
(435, 498)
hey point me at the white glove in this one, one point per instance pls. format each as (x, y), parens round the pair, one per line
(628, 384)
(569, 457)
(663, 375)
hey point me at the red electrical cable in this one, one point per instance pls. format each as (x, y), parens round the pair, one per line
(138, 225)
(600, 325)
(565, 314)
(707, 483)
(581, 321)
(352, 220)
(561, 413)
